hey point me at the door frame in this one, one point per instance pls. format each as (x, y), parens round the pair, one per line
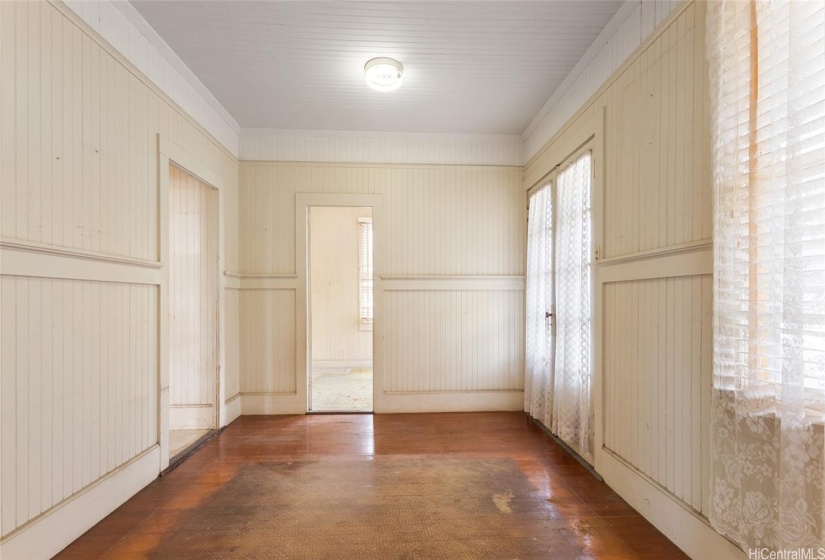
(590, 136)
(168, 152)
(303, 318)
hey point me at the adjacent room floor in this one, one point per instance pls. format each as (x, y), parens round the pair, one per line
(180, 440)
(430, 486)
(341, 389)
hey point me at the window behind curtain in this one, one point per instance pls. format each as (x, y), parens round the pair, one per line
(365, 270)
(767, 63)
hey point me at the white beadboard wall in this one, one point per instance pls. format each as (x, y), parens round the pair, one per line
(376, 147)
(632, 24)
(80, 275)
(453, 340)
(335, 287)
(452, 234)
(657, 369)
(653, 277)
(73, 409)
(267, 348)
(441, 220)
(119, 23)
(193, 299)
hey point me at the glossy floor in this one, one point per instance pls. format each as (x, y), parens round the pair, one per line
(476, 485)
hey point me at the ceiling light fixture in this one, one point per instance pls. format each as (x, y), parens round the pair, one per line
(383, 74)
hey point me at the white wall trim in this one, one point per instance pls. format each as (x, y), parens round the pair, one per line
(666, 265)
(682, 525)
(231, 409)
(380, 147)
(46, 249)
(170, 153)
(303, 315)
(450, 401)
(48, 534)
(19, 261)
(451, 283)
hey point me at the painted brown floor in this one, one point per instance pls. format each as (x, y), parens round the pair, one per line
(429, 486)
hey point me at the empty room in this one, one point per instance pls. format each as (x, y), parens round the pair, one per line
(474, 279)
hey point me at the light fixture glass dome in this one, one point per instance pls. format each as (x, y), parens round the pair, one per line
(383, 74)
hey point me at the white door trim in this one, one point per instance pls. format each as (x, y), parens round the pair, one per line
(170, 152)
(303, 325)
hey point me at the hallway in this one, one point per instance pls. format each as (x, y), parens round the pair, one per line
(475, 485)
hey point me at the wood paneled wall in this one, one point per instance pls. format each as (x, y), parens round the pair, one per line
(453, 340)
(79, 386)
(657, 365)
(193, 287)
(267, 350)
(265, 144)
(81, 276)
(653, 277)
(451, 254)
(335, 286)
(441, 220)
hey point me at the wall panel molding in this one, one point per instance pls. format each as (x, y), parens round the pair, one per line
(51, 532)
(47, 249)
(452, 283)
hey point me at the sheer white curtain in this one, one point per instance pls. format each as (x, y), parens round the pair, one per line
(571, 390)
(557, 383)
(767, 71)
(539, 356)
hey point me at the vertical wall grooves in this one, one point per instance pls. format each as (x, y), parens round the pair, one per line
(66, 344)
(438, 221)
(654, 373)
(193, 287)
(78, 147)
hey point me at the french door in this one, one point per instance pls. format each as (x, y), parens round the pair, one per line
(558, 303)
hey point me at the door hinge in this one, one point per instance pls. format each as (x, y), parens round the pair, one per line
(598, 252)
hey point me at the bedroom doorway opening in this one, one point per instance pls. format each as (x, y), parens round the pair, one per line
(341, 283)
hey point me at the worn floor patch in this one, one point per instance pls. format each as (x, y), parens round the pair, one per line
(502, 502)
(361, 508)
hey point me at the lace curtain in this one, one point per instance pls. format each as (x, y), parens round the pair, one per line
(539, 356)
(557, 383)
(571, 388)
(767, 73)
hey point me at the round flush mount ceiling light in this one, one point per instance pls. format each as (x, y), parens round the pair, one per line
(383, 74)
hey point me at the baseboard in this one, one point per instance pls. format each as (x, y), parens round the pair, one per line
(232, 409)
(50, 533)
(686, 529)
(271, 403)
(467, 401)
(190, 417)
(355, 364)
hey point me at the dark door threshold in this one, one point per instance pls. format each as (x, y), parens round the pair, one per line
(175, 461)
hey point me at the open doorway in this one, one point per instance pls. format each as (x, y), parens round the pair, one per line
(193, 311)
(341, 309)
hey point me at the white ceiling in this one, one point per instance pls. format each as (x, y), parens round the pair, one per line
(469, 67)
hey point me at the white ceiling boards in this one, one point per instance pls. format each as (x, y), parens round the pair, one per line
(469, 67)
